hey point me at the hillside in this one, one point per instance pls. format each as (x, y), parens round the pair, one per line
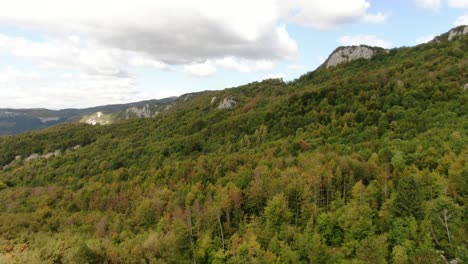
(16, 121)
(361, 162)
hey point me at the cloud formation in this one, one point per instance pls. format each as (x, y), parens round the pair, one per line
(188, 31)
(324, 14)
(462, 20)
(73, 52)
(102, 42)
(370, 40)
(24, 89)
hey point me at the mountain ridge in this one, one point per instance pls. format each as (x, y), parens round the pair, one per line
(14, 121)
(357, 163)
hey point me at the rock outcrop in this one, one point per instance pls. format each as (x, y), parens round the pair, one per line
(52, 154)
(456, 32)
(350, 53)
(140, 112)
(227, 103)
(32, 157)
(97, 118)
(452, 35)
(6, 167)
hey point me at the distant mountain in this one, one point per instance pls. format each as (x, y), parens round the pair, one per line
(15, 121)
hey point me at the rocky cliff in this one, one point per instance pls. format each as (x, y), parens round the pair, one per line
(351, 53)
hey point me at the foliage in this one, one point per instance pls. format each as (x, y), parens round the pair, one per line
(362, 163)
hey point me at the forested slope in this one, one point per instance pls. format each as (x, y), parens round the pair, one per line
(360, 163)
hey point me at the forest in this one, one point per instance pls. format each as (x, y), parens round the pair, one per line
(365, 162)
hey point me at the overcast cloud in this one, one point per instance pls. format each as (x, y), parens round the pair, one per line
(187, 31)
(101, 42)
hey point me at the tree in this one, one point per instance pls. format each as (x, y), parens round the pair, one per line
(373, 250)
(277, 212)
(444, 216)
(408, 201)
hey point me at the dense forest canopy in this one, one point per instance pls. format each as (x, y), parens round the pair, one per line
(365, 162)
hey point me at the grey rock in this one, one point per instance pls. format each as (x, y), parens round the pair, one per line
(6, 167)
(465, 87)
(140, 112)
(57, 153)
(213, 100)
(227, 103)
(169, 106)
(456, 32)
(347, 54)
(76, 147)
(48, 155)
(33, 156)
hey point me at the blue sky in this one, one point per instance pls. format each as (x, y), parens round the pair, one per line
(83, 53)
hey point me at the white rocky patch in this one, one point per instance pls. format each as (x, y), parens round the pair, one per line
(169, 106)
(48, 155)
(457, 32)
(76, 147)
(143, 112)
(213, 100)
(347, 54)
(227, 103)
(93, 119)
(33, 156)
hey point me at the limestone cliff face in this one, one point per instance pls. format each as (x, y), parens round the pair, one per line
(227, 103)
(350, 53)
(139, 112)
(452, 35)
(456, 32)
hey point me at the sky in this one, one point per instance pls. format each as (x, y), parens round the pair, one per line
(73, 54)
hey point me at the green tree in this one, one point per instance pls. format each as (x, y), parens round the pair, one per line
(277, 212)
(408, 201)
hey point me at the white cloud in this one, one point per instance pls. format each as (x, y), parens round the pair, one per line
(105, 40)
(462, 20)
(458, 3)
(370, 40)
(75, 53)
(324, 14)
(246, 66)
(375, 18)
(205, 69)
(424, 39)
(13, 76)
(210, 67)
(429, 4)
(187, 31)
(26, 89)
(173, 32)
